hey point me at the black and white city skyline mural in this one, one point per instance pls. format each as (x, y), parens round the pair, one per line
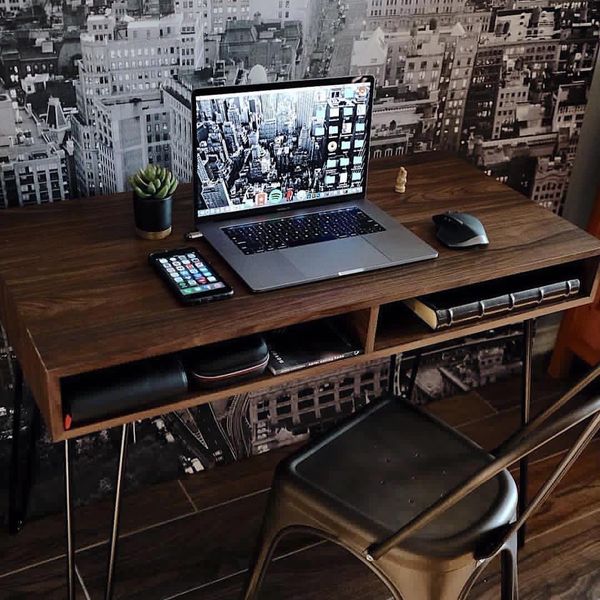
(91, 91)
(502, 82)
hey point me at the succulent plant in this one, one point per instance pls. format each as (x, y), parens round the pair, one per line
(153, 182)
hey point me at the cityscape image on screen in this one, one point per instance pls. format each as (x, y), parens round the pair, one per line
(272, 147)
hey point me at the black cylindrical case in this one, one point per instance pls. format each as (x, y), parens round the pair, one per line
(122, 389)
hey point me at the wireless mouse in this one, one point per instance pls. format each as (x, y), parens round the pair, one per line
(460, 230)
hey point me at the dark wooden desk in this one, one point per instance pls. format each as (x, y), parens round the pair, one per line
(77, 294)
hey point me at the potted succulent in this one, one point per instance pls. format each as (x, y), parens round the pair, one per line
(153, 189)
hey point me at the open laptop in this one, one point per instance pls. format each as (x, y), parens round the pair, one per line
(280, 174)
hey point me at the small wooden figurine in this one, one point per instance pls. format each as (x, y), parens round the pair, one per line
(400, 186)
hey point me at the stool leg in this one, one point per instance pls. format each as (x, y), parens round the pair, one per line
(525, 415)
(69, 525)
(509, 576)
(114, 538)
(269, 537)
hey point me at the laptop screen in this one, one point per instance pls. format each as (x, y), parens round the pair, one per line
(264, 148)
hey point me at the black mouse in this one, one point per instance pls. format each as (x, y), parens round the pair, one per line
(460, 230)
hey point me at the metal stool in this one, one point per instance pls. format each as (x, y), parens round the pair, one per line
(421, 505)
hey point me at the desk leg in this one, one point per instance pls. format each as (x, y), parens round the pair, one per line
(21, 471)
(116, 515)
(528, 327)
(15, 521)
(394, 379)
(413, 376)
(69, 524)
(394, 382)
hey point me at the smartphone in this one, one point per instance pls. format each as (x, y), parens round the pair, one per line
(190, 277)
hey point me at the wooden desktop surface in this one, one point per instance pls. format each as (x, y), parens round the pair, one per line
(77, 293)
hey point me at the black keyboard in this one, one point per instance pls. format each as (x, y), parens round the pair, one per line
(289, 232)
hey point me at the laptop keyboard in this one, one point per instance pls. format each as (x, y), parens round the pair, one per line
(312, 228)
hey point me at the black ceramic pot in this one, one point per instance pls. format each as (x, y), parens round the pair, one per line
(152, 217)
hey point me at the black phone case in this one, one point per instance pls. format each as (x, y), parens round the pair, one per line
(199, 299)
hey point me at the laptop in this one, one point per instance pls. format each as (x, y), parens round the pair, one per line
(280, 175)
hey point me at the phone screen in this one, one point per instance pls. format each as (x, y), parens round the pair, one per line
(189, 275)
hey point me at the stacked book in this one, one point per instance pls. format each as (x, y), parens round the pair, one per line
(453, 307)
(309, 344)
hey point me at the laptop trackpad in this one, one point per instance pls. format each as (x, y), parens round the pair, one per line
(335, 257)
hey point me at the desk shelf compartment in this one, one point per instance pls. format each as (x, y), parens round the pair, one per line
(361, 324)
(399, 329)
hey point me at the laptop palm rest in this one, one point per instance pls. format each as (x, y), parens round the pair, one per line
(338, 257)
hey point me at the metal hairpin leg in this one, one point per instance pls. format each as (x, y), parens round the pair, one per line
(23, 446)
(392, 376)
(414, 371)
(528, 327)
(15, 517)
(69, 524)
(35, 426)
(394, 384)
(115, 523)
(116, 515)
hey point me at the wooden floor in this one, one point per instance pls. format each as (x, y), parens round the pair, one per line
(191, 539)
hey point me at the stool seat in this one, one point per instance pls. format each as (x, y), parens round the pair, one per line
(385, 467)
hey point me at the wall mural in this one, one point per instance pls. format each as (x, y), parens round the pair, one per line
(91, 91)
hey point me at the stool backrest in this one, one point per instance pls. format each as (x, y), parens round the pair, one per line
(540, 431)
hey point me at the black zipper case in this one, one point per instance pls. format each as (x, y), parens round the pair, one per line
(225, 363)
